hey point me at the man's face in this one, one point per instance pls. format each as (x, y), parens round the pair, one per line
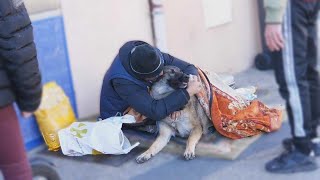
(154, 79)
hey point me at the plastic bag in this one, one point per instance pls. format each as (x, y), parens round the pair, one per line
(247, 93)
(55, 113)
(105, 137)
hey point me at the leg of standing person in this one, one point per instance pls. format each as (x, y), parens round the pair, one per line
(13, 160)
(293, 76)
(313, 74)
(291, 73)
(312, 77)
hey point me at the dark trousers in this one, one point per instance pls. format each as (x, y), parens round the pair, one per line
(296, 71)
(13, 160)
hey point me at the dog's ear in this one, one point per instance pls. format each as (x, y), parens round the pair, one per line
(171, 69)
(167, 69)
(168, 72)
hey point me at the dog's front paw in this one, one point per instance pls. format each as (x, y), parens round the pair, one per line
(189, 154)
(143, 157)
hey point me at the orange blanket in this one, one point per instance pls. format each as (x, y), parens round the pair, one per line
(232, 116)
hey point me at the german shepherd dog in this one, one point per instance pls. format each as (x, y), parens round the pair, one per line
(192, 123)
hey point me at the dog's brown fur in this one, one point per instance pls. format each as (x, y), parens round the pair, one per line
(192, 122)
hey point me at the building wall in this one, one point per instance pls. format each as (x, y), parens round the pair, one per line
(226, 48)
(39, 6)
(95, 30)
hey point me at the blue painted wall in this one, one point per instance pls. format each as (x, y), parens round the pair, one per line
(54, 65)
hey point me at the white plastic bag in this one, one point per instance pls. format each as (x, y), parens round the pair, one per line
(105, 136)
(248, 93)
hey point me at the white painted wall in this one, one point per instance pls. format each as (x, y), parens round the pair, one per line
(230, 47)
(39, 6)
(95, 30)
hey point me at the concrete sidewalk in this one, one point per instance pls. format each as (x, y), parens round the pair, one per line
(250, 164)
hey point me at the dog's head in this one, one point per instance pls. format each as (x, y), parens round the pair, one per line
(175, 77)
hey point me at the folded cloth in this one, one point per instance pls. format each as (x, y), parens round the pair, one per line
(232, 115)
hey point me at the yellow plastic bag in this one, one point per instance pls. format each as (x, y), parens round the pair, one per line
(55, 113)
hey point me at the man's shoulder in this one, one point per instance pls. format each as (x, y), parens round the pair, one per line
(122, 81)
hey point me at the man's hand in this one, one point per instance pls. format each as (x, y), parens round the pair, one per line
(273, 36)
(194, 85)
(26, 114)
(175, 115)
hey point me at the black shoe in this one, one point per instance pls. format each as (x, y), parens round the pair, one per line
(316, 149)
(291, 162)
(289, 146)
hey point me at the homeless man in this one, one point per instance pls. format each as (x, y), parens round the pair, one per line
(126, 83)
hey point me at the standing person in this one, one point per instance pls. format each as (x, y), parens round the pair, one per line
(128, 79)
(20, 81)
(295, 64)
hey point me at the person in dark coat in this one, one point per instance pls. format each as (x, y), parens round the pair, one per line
(134, 69)
(20, 82)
